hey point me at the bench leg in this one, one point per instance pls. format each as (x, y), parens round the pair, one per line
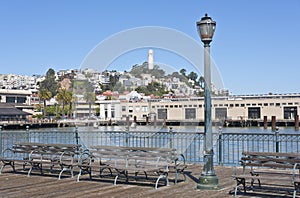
(160, 177)
(238, 182)
(79, 174)
(65, 169)
(178, 172)
(11, 163)
(115, 181)
(103, 168)
(296, 188)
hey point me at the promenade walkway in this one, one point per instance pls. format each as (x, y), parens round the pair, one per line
(19, 185)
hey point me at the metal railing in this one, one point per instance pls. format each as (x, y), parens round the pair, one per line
(228, 147)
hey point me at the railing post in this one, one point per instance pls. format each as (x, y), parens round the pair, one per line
(126, 138)
(171, 137)
(77, 137)
(27, 134)
(1, 141)
(277, 139)
(220, 146)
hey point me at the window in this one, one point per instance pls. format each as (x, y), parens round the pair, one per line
(10, 99)
(144, 108)
(254, 112)
(277, 104)
(237, 105)
(130, 109)
(190, 113)
(123, 108)
(265, 104)
(21, 99)
(221, 113)
(162, 113)
(290, 112)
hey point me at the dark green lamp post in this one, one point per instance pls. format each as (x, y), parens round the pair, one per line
(208, 179)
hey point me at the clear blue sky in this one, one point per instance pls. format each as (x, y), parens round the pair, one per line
(256, 45)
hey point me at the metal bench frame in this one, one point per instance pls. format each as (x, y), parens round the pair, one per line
(127, 160)
(39, 154)
(277, 164)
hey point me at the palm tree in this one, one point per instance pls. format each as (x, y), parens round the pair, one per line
(45, 95)
(183, 72)
(64, 97)
(90, 98)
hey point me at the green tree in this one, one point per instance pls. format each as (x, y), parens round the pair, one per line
(90, 98)
(193, 76)
(64, 97)
(49, 83)
(183, 72)
(45, 95)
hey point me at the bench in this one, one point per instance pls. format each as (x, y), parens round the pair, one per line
(37, 155)
(271, 169)
(132, 160)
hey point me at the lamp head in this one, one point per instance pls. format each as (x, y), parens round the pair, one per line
(206, 28)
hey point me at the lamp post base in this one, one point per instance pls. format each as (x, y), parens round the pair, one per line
(208, 182)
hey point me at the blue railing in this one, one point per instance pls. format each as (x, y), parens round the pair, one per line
(227, 146)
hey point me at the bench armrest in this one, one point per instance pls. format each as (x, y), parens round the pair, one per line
(8, 153)
(35, 153)
(296, 168)
(85, 158)
(67, 157)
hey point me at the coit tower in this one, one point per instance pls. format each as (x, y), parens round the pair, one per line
(150, 59)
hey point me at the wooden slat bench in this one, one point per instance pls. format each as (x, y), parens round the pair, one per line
(131, 160)
(269, 168)
(36, 155)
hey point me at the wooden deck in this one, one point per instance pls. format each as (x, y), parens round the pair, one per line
(19, 185)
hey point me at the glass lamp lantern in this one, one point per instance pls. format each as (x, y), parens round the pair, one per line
(206, 29)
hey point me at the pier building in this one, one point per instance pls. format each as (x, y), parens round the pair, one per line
(224, 108)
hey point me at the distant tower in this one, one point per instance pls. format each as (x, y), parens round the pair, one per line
(150, 59)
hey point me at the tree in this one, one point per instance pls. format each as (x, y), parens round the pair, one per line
(90, 98)
(49, 83)
(64, 97)
(193, 76)
(183, 72)
(45, 95)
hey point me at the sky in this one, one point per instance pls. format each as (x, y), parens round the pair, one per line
(255, 46)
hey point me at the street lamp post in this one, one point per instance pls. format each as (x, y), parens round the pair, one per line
(208, 179)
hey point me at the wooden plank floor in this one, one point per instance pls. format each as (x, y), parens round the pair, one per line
(19, 185)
